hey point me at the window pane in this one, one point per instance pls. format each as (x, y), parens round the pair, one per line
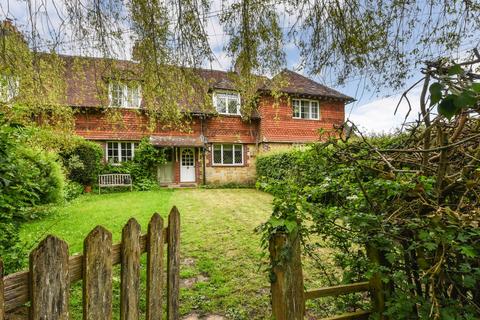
(305, 109)
(133, 96)
(221, 104)
(227, 154)
(112, 152)
(296, 108)
(116, 93)
(126, 151)
(217, 154)
(238, 154)
(314, 109)
(233, 106)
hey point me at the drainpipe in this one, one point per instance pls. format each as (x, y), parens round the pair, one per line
(202, 137)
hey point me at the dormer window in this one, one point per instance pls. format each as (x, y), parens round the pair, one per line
(305, 109)
(227, 103)
(9, 86)
(124, 95)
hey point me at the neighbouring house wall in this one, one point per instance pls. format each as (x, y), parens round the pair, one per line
(277, 123)
(218, 174)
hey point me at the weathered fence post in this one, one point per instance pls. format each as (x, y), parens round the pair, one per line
(49, 280)
(2, 287)
(130, 272)
(173, 285)
(97, 275)
(155, 243)
(377, 289)
(288, 302)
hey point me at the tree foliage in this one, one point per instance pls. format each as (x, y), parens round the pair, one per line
(380, 41)
(404, 206)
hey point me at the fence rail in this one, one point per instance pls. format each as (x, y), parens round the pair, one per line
(46, 285)
(288, 294)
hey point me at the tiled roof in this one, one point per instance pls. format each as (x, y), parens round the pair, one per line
(87, 79)
(301, 85)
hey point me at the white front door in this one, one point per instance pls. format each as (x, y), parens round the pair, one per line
(187, 165)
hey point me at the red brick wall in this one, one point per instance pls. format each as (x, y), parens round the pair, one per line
(231, 129)
(94, 124)
(277, 123)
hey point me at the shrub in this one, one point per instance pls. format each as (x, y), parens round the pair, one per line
(72, 190)
(149, 157)
(375, 219)
(83, 162)
(29, 179)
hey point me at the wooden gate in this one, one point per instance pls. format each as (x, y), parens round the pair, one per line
(45, 287)
(289, 295)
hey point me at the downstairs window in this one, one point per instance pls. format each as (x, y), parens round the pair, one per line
(120, 151)
(227, 154)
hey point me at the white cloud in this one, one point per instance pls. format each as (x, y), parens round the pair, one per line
(378, 115)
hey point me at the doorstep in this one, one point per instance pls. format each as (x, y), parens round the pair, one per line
(182, 185)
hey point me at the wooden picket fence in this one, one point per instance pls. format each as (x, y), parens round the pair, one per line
(45, 287)
(287, 287)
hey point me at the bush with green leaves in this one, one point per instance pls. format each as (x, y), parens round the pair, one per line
(30, 178)
(83, 162)
(375, 219)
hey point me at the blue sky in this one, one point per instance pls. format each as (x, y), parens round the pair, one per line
(372, 112)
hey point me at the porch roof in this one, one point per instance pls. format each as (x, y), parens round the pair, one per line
(176, 141)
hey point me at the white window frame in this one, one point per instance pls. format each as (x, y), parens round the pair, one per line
(127, 90)
(9, 87)
(229, 96)
(310, 113)
(119, 148)
(234, 145)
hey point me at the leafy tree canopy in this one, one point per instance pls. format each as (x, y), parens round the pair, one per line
(382, 41)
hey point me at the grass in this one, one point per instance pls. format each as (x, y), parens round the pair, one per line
(216, 234)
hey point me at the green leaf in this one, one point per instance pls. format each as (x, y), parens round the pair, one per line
(469, 281)
(291, 225)
(276, 222)
(464, 100)
(455, 69)
(476, 87)
(435, 93)
(469, 251)
(447, 107)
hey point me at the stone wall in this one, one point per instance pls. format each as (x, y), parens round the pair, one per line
(244, 174)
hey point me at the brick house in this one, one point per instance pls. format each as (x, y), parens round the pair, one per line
(219, 146)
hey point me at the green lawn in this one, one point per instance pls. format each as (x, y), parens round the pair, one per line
(217, 242)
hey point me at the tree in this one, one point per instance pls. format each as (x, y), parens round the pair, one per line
(382, 41)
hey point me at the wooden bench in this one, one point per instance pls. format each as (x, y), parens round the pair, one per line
(114, 180)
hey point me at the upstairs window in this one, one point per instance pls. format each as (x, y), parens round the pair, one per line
(228, 154)
(227, 103)
(9, 86)
(305, 109)
(120, 151)
(124, 95)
